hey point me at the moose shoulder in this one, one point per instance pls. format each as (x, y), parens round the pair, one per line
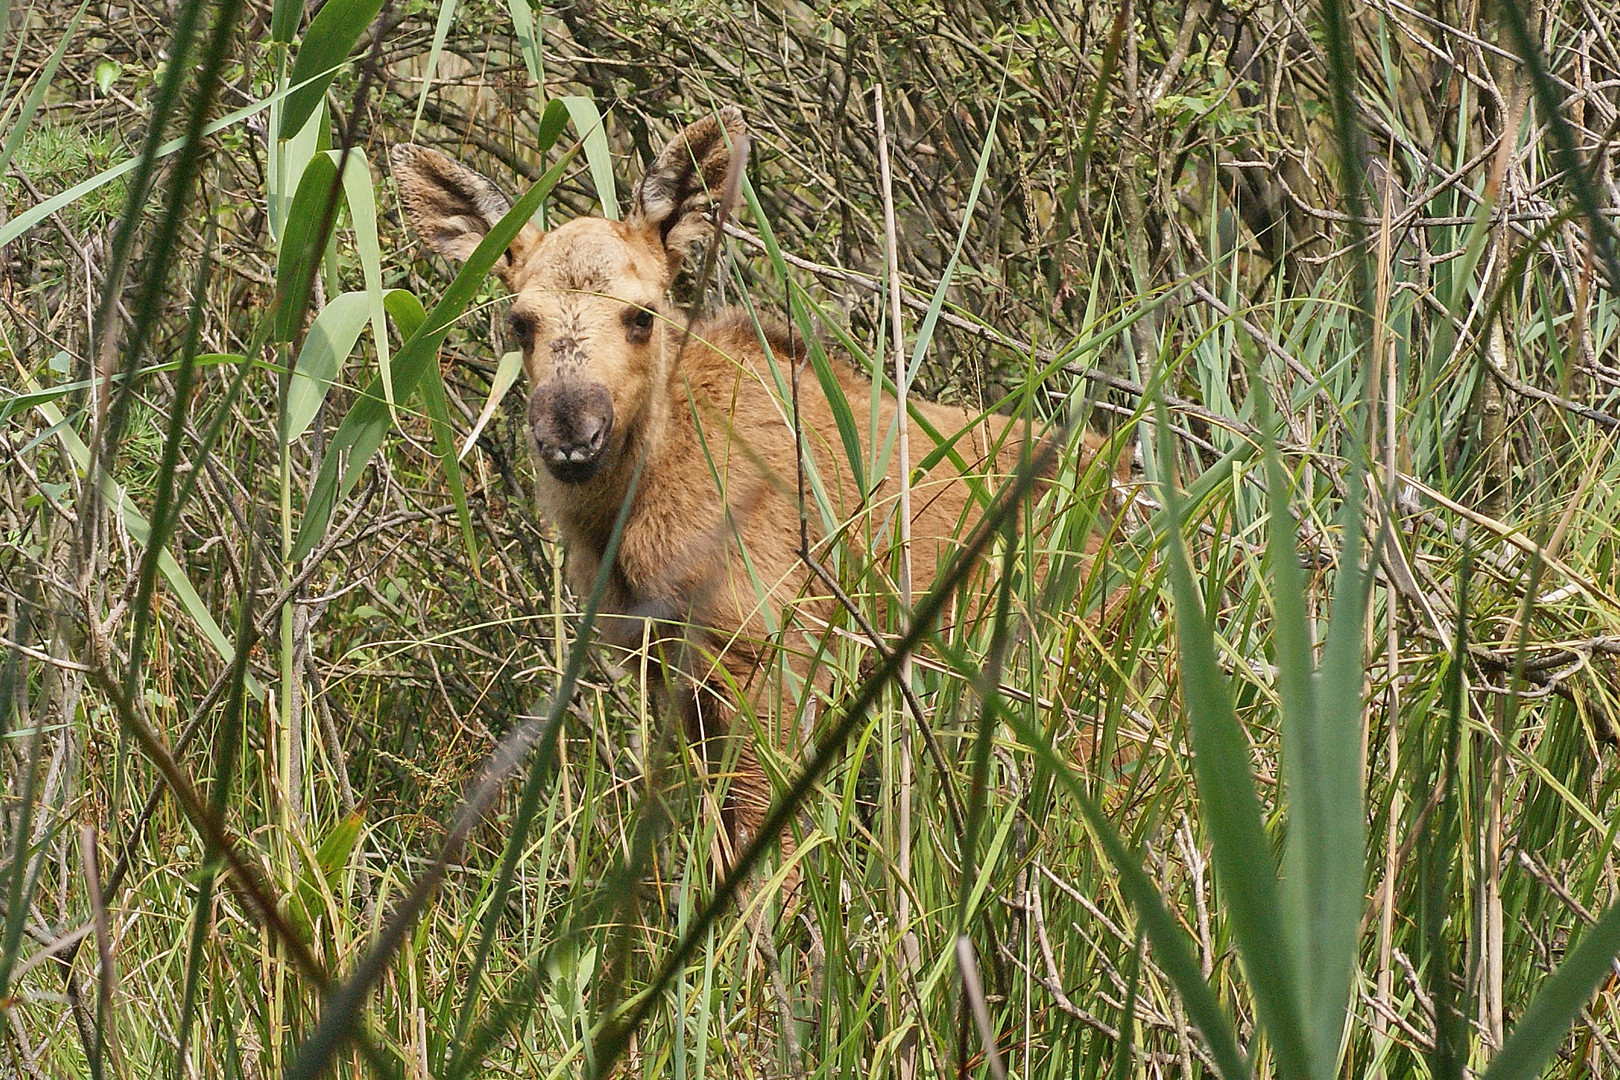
(690, 422)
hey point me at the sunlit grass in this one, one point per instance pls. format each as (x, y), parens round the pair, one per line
(1215, 817)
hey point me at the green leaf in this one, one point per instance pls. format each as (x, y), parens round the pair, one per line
(366, 424)
(333, 854)
(286, 160)
(598, 158)
(362, 202)
(843, 415)
(284, 19)
(436, 402)
(302, 244)
(327, 43)
(406, 311)
(320, 872)
(106, 73)
(328, 344)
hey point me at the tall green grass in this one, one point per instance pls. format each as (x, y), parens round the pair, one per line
(1310, 774)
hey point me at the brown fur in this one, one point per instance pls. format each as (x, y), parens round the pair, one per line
(690, 409)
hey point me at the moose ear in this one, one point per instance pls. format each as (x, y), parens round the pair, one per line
(684, 182)
(454, 208)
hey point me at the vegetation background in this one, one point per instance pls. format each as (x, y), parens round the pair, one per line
(304, 770)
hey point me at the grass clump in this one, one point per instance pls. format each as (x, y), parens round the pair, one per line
(1309, 774)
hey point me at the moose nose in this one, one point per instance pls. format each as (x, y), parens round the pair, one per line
(572, 421)
(591, 432)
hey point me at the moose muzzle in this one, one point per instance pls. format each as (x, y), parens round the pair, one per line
(572, 421)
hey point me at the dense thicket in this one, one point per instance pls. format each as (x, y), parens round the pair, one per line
(1398, 240)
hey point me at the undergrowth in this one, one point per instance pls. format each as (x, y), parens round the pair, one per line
(1310, 773)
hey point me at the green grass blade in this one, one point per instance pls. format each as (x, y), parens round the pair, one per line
(506, 373)
(406, 311)
(165, 239)
(989, 691)
(362, 431)
(36, 95)
(441, 31)
(598, 156)
(1438, 846)
(1226, 791)
(1339, 46)
(527, 31)
(1324, 866)
(302, 244)
(286, 160)
(1329, 796)
(144, 165)
(436, 403)
(1110, 61)
(364, 426)
(227, 745)
(835, 394)
(327, 43)
(1557, 1005)
(843, 414)
(936, 303)
(1294, 654)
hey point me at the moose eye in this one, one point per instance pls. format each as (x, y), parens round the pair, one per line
(521, 328)
(638, 324)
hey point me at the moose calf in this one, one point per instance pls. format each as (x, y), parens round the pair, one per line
(619, 380)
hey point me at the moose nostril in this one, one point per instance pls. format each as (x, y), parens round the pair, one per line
(589, 431)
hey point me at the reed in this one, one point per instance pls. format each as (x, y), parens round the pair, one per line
(311, 769)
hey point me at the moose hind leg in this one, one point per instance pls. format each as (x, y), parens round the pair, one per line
(725, 744)
(746, 806)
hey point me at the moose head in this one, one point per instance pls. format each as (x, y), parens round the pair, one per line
(589, 306)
